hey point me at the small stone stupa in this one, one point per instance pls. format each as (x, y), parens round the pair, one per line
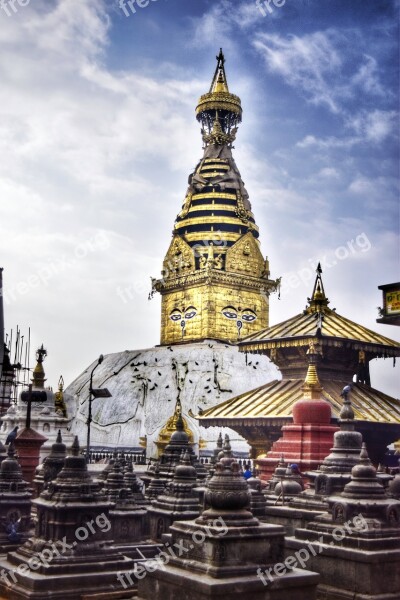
(129, 521)
(225, 550)
(335, 470)
(51, 466)
(178, 502)
(70, 555)
(356, 544)
(15, 503)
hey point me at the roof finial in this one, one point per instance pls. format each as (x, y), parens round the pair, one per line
(38, 372)
(318, 299)
(219, 100)
(312, 386)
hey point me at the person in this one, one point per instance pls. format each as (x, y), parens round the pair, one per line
(247, 474)
(12, 435)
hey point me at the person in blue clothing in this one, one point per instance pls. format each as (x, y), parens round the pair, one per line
(12, 435)
(247, 474)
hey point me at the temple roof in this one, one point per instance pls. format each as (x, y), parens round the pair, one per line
(275, 400)
(320, 322)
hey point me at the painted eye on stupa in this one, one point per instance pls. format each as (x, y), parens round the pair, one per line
(191, 312)
(249, 316)
(175, 315)
(229, 312)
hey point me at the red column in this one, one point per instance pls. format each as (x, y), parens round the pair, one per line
(28, 443)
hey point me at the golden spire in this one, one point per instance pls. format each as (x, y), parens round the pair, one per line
(219, 83)
(174, 422)
(215, 282)
(312, 387)
(219, 105)
(318, 301)
(59, 403)
(38, 372)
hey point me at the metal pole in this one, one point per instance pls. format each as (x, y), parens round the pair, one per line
(89, 419)
(28, 408)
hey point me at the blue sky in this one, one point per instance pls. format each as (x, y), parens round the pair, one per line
(98, 136)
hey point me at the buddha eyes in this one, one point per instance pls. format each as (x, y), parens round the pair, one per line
(179, 315)
(229, 315)
(241, 314)
(249, 318)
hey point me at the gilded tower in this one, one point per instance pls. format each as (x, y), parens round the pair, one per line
(215, 282)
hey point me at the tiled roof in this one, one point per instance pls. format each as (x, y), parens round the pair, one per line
(275, 400)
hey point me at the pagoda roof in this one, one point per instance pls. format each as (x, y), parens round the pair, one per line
(319, 322)
(273, 403)
(326, 325)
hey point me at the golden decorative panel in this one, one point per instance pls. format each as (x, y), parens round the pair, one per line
(245, 257)
(179, 258)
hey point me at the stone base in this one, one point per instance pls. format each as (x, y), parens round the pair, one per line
(161, 520)
(176, 584)
(350, 572)
(326, 592)
(290, 518)
(69, 581)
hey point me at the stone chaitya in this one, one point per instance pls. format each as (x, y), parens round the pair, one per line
(129, 520)
(170, 458)
(157, 484)
(132, 482)
(224, 550)
(357, 542)
(257, 499)
(178, 502)
(70, 555)
(15, 503)
(51, 466)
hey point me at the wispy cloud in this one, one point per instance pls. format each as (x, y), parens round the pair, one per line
(315, 64)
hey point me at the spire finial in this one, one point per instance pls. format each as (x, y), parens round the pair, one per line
(11, 449)
(179, 425)
(38, 372)
(318, 300)
(347, 412)
(75, 448)
(312, 386)
(219, 111)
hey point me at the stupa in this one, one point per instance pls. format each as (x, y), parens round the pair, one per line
(69, 555)
(15, 503)
(356, 543)
(178, 502)
(225, 551)
(215, 287)
(51, 466)
(129, 520)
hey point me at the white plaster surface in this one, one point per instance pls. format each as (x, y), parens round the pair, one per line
(145, 385)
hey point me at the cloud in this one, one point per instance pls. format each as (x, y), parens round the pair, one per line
(317, 65)
(374, 126)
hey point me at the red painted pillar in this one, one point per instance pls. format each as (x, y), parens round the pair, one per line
(28, 443)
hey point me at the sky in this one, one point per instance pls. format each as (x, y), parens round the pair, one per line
(98, 136)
